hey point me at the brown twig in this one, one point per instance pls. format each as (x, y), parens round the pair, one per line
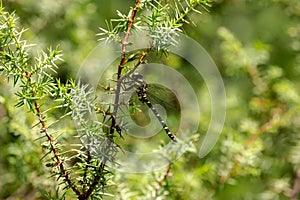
(163, 179)
(118, 88)
(277, 117)
(294, 193)
(53, 149)
(36, 108)
(101, 168)
(51, 140)
(86, 194)
(256, 79)
(122, 63)
(125, 41)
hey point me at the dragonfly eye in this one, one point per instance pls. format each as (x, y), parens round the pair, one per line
(137, 76)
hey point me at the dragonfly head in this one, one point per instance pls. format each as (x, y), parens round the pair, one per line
(137, 76)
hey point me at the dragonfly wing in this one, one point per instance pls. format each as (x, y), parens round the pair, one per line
(158, 94)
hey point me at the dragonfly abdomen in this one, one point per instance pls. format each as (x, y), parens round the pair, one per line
(141, 91)
(162, 122)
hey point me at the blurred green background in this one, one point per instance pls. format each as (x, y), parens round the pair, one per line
(255, 45)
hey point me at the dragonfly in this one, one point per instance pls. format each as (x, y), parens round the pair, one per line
(148, 93)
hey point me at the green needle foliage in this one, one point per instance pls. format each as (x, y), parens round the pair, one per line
(77, 148)
(74, 168)
(59, 140)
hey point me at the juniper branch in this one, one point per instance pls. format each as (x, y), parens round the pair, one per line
(163, 179)
(121, 64)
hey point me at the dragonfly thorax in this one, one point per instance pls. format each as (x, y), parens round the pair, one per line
(141, 89)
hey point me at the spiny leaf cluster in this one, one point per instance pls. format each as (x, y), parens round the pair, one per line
(77, 165)
(162, 20)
